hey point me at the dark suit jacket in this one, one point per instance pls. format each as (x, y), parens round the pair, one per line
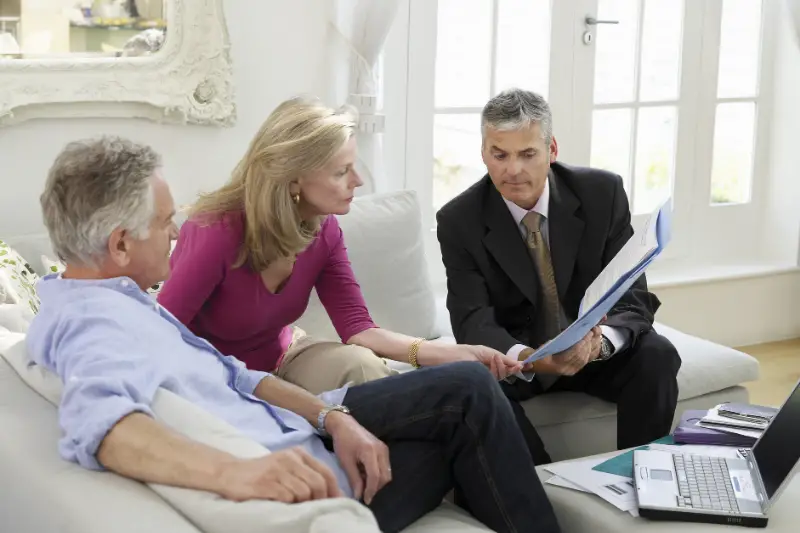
(493, 290)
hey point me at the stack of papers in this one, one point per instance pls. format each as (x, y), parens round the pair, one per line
(727, 424)
(616, 278)
(722, 418)
(581, 475)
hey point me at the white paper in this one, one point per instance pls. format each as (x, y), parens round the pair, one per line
(616, 490)
(639, 246)
(717, 421)
(559, 481)
(753, 433)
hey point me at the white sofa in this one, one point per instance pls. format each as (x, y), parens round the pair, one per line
(40, 492)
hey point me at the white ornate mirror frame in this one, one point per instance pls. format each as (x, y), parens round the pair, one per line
(188, 81)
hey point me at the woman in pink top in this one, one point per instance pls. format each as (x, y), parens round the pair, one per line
(251, 252)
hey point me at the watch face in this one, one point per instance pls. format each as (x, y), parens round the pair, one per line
(605, 348)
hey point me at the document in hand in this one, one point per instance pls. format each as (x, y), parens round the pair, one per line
(616, 278)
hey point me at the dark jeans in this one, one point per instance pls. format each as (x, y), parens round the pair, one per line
(641, 380)
(451, 427)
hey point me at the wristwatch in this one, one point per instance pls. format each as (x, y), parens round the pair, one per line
(324, 414)
(606, 349)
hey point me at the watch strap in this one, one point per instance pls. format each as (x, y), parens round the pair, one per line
(323, 414)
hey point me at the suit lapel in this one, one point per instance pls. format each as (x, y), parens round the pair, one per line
(504, 242)
(565, 231)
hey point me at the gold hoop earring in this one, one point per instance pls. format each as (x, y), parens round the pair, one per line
(296, 198)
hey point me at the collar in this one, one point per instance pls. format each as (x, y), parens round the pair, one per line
(54, 285)
(541, 207)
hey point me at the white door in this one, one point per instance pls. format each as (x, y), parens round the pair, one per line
(666, 95)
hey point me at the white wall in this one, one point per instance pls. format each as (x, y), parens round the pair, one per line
(735, 312)
(278, 50)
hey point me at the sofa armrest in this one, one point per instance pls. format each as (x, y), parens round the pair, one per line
(41, 492)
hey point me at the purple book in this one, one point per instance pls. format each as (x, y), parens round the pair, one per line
(688, 432)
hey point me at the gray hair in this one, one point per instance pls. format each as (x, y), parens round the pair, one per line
(514, 109)
(94, 187)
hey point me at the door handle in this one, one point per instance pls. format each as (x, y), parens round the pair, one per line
(591, 21)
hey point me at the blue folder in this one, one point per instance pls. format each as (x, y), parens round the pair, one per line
(590, 318)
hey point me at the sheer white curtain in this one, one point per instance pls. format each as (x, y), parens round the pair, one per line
(358, 33)
(794, 10)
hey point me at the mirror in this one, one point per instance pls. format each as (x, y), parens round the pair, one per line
(37, 29)
(167, 60)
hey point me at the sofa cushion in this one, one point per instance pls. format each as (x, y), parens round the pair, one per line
(15, 317)
(39, 492)
(17, 279)
(210, 512)
(32, 247)
(707, 366)
(383, 235)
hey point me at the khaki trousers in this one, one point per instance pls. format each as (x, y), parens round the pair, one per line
(320, 366)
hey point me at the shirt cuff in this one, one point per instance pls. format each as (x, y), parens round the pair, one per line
(513, 353)
(617, 337)
(515, 350)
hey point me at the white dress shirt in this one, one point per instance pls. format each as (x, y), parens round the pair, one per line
(617, 338)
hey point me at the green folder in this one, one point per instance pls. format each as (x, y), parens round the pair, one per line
(622, 464)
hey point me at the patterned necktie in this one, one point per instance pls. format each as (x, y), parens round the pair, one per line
(540, 254)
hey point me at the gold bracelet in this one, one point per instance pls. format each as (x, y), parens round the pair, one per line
(413, 351)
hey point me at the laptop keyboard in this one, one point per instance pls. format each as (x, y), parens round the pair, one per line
(704, 483)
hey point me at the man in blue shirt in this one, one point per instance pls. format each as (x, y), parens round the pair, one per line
(399, 444)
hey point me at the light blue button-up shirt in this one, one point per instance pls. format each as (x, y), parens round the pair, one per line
(113, 346)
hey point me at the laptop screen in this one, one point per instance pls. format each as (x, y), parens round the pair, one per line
(778, 449)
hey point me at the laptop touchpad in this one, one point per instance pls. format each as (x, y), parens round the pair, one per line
(658, 474)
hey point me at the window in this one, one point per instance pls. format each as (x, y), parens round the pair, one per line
(475, 57)
(666, 93)
(736, 105)
(636, 96)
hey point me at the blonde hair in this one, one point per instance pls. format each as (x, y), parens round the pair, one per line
(301, 135)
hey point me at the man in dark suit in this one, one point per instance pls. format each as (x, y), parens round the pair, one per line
(521, 247)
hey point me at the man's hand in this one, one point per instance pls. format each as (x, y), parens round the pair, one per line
(571, 361)
(596, 344)
(364, 457)
(288, 476)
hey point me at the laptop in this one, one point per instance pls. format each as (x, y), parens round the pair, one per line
(700, 488)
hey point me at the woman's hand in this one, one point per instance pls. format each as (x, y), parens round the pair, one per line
(499, 364)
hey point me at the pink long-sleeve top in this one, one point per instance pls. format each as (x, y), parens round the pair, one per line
(234, 310)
